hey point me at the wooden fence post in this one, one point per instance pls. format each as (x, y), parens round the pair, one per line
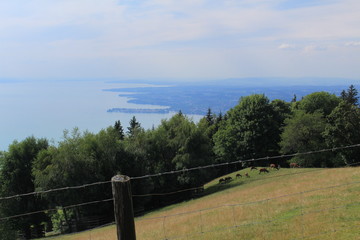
(123, 207)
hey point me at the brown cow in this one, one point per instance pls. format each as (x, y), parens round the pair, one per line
(264, 170)
(238, 175)
(228, 179)
(294, 165)
(221, 180)
(274, 166)
(253, 168)
(247, 175)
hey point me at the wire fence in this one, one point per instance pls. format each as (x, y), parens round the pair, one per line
(154, 194)
(182, 171)
(245, 161)
(55, 209)
(203, 212)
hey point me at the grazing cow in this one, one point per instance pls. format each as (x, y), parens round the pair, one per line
(294, 165)
(274, 166)
(264, 170)
(238, 175)
(253, 168)
(228, 179)
(247, 175)
(221, 180)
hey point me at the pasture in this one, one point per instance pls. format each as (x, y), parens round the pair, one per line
(286, 204)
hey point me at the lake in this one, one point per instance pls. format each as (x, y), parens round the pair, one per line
(47, 108)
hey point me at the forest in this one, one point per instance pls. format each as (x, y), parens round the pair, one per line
(255, 128)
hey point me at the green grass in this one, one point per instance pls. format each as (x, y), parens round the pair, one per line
(277, 205)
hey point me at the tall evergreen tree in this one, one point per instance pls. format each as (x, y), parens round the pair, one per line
(210, 117)
(350, 96)
(134, 127)
(119, 129)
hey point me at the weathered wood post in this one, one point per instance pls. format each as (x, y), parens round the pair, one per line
(123, 207)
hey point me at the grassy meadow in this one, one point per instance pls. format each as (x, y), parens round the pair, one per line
(285, 204)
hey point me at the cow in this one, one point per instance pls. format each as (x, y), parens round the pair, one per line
(228, 179)
(264, 170)
(253, 168)
(238, 175)
(274, 166)
(294, 165)
(247, 175)
(221, 180)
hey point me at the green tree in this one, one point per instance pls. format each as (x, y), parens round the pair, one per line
(118, 127)
(79, 159)
(282, 111)
(7, 231)
(177, 144)
(16, 178)
(134, 127)
(249, 130)
(303, 133)
(210, 117)
(210, 124)
(323, 102)
(350, 96)
(342, 129)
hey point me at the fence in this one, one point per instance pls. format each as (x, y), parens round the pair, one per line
(202, 214)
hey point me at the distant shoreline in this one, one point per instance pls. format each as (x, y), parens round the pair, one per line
(137, 110)
(196, 99)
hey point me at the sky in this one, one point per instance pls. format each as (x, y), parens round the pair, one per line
(182, 39)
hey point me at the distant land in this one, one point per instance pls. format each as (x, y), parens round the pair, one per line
(139, 110)
(220, 96)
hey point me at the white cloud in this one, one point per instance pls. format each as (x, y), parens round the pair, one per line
(287, 46)
(171, 34)
(352, 44)
(313, 48)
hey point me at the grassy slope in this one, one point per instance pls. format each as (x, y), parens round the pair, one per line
(282, 215)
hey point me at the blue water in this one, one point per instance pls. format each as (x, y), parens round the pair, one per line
(47, 108)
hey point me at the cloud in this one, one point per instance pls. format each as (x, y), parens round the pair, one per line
(352, 44)
(287, 46)
(313, 48)
(169, 37)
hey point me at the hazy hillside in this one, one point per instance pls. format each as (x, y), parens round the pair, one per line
(196, 98)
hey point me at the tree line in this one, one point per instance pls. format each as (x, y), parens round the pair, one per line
(256, 127)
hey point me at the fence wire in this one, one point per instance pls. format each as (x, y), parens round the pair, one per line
(180, 171)
(55, 209)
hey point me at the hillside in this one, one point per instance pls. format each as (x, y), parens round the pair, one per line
(284, 204)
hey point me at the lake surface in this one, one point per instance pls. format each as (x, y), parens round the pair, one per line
(47, 108)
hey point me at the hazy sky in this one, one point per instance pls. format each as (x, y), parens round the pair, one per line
(179, 38)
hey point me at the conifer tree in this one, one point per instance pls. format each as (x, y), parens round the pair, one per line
(134, 126)
(350, 95)
(119, 129)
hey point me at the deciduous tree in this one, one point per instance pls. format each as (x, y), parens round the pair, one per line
(249, 130)
(342, 129)
(16, 178)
